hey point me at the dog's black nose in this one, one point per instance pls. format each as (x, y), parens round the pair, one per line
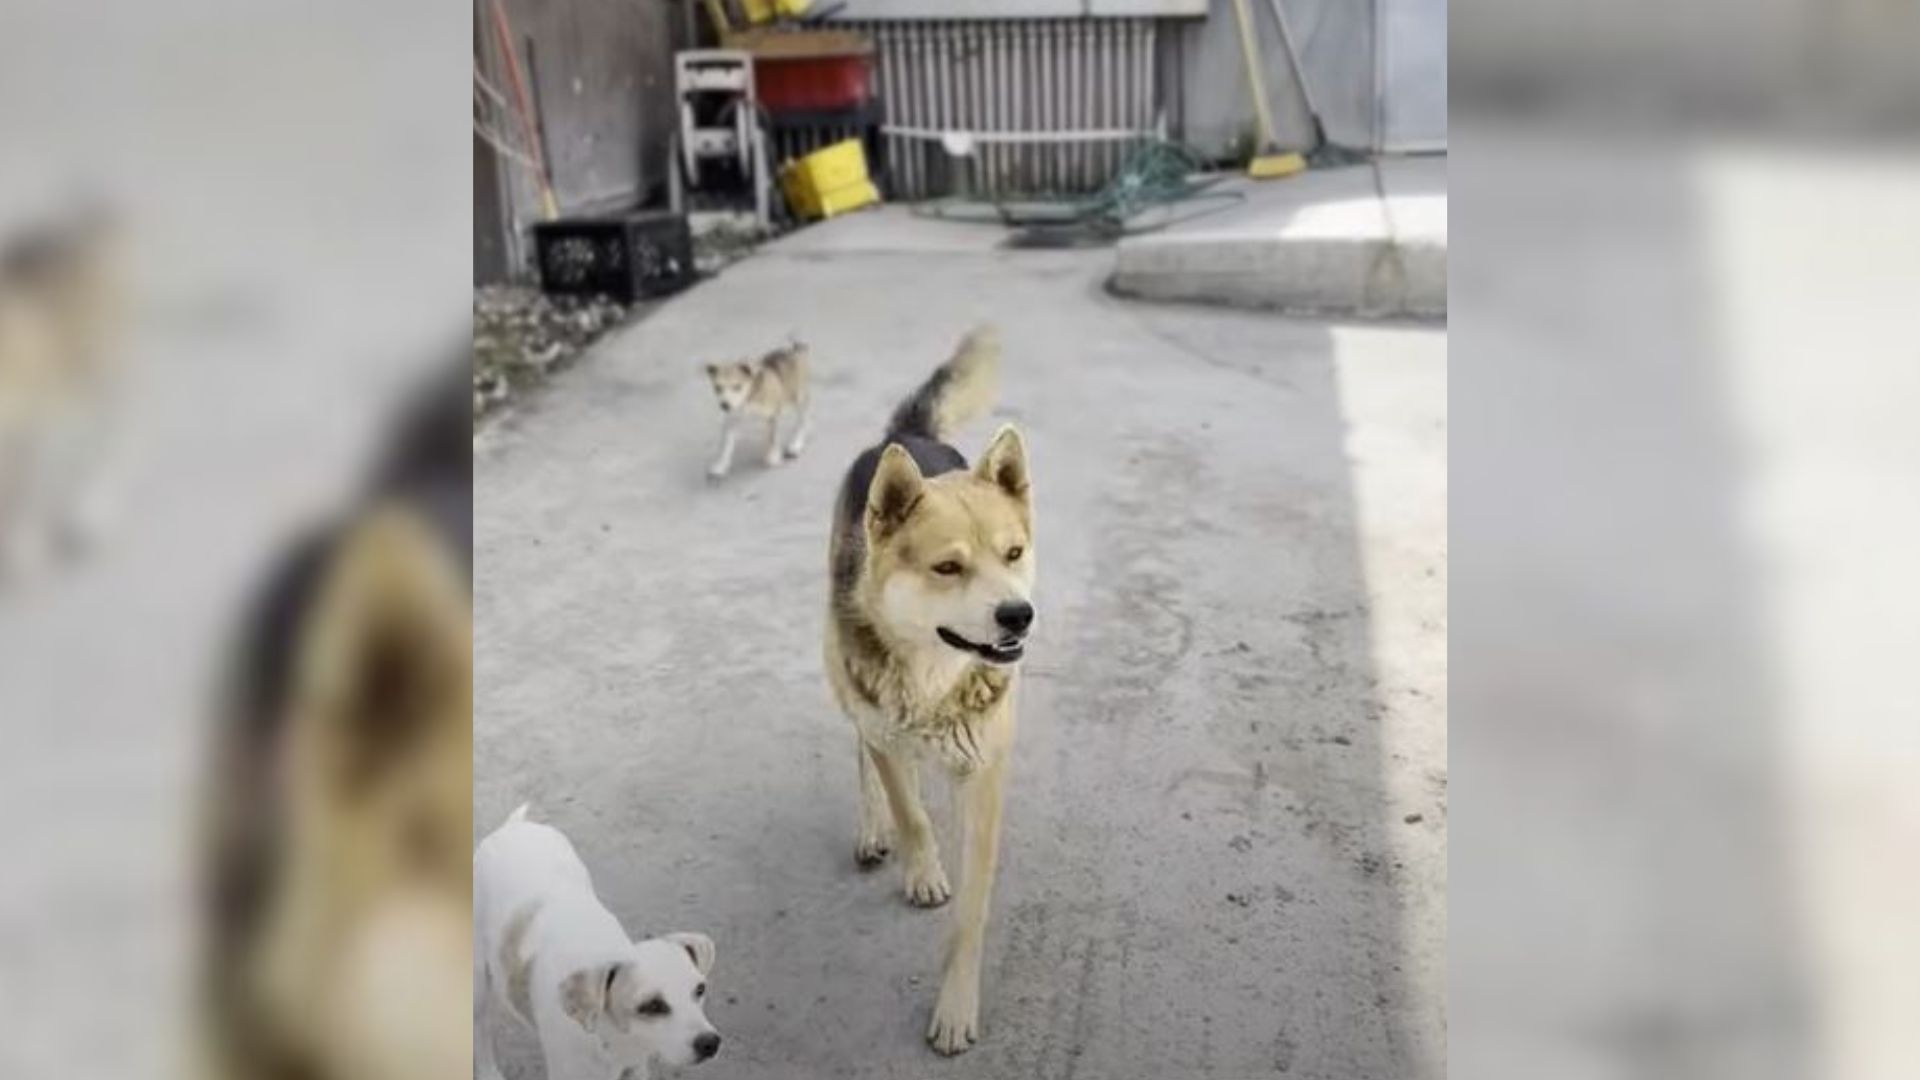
(1014, 616)
(705, 1046)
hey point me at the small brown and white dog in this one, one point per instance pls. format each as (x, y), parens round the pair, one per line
(763, 390)
(932, 567)
(549, 954)
(62, 286)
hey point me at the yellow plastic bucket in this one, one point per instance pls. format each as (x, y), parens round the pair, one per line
(831, 180)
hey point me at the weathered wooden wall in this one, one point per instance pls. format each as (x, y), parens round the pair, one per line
(603, 77)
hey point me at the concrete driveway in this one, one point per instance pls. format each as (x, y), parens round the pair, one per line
(1225, 849)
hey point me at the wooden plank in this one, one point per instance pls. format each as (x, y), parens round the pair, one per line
(770, 44)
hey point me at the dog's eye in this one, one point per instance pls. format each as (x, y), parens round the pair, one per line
(1014, 553)
(700, 991)
(950, 568)
(653, 1007)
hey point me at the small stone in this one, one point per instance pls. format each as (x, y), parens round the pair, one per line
(1414, 819)
(1342, 740)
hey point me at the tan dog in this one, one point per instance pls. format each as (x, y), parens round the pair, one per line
(339, 921)
(932, 570)
(765, 390)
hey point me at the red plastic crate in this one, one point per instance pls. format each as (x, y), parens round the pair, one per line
(833, 82)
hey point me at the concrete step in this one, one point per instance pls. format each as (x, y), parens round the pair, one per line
(1367, 240)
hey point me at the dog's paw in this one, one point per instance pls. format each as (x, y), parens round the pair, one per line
(956, 1021)
(927, 884)
(716, 474)
(871, 851)
(792, 453)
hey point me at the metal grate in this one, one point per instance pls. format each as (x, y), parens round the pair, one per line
(1057, 75)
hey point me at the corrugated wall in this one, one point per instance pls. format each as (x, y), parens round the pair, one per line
(1057, 75)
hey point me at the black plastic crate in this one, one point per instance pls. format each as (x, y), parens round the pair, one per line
(625, 256)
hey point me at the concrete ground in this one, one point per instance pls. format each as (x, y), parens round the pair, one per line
(1361, 240)
(1225, 843)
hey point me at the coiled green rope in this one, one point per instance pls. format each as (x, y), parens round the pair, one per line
(1159, 173)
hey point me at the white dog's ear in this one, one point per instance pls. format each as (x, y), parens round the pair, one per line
(1004, 465)
(698, 946)
(584, 994)
(894, 491)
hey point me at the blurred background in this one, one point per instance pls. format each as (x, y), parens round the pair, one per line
(290, 254)
(1683, 516)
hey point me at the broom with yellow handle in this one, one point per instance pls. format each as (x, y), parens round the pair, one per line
(1269, 161)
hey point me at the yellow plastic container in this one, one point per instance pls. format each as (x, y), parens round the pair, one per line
(829, 181)
(759, 11)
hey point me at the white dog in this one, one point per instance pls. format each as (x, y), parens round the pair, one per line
(547, 951)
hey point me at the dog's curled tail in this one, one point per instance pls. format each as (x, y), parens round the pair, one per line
(519, 815)
(958, 390)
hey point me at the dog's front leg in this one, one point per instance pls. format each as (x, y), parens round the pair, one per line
(920, 852)
(876, 818)
(803, 424)
(774, 457)
(724, 459)
(83, 457)
(956, 1015)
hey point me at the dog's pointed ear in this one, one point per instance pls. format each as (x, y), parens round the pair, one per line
(1004, 465)
(385, 658)
(895, 490)
(584, 994)
(699, 947)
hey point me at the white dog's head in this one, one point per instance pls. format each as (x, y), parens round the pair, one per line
(650, 1002)
(732, 383)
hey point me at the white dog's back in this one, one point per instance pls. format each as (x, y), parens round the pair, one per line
(529, 849)
(524, 862)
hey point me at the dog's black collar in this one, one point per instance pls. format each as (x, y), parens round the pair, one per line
(992, 654)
